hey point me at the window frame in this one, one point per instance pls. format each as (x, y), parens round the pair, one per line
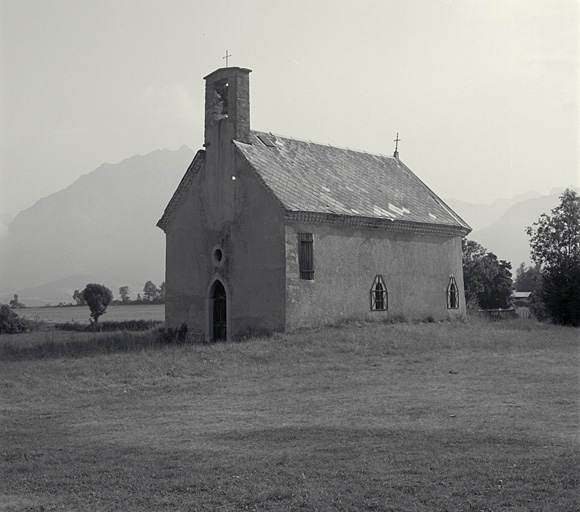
(306, 256)
(452, 294)
(379, 294)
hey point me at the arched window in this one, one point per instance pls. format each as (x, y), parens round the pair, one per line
(452, 294)
(379, 295)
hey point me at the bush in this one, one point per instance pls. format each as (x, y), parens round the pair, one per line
(10, 322)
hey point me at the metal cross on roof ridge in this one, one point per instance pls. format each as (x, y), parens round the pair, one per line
(227, 57)
(396, 141)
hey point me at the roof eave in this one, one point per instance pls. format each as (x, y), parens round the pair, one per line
(377, 223)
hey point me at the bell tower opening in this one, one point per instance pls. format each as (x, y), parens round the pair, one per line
(227, 105)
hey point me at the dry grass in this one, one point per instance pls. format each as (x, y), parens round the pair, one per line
(476, 416)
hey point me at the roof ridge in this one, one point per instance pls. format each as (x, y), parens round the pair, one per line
(309, 141)
(307, 176)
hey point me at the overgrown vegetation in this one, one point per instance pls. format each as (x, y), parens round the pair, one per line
(403, 416)
(173, 335)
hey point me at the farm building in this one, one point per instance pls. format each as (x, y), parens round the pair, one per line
(522, 302)
(269, 233)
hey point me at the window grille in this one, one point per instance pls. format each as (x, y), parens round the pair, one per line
(379, 295)
(452, 294)
(306, 255)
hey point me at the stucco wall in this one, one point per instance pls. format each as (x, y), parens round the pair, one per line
(416, 269)
(240, 218)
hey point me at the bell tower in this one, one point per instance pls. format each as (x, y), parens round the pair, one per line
(227, 105)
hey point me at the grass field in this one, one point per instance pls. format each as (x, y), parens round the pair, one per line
(80, 314)
(385, 417)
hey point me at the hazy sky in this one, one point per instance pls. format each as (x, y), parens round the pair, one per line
(484, 93)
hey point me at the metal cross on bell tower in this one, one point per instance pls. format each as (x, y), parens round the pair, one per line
(396, 141)
(227, 58)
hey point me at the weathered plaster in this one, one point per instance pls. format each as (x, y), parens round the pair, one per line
(226, 207)
(416, 269)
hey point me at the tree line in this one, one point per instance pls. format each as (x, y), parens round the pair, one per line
(554, 279)
(98, 297)
(152, 294)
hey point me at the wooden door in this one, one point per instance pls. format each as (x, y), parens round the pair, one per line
(220, 331)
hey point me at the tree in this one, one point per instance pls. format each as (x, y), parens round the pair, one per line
(124, 293)
(150, 291)
(98, 298)
(555, 245)
(15, 304)
(487, 281)
(162, 292)
(528, 279)
(79, 298)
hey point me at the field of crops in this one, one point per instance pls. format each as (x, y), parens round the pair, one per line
(80, 314)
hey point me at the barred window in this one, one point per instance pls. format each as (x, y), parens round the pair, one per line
(452, 294)
(306, 255)
(379, 295)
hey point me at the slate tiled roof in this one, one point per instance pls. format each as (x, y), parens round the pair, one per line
(308, 177)
(195, 166)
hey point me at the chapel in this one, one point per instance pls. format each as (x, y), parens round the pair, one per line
(270, 233)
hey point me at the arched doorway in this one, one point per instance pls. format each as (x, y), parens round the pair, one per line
(219, 320)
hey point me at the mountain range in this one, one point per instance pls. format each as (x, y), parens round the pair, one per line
(102, 228)
(500, 227)
(99, 229)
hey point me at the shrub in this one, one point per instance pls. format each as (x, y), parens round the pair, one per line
(125, 325)
(173, 335)
(10, 322)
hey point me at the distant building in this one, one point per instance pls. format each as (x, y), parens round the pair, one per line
(521, 296)
(522, 302)
(273, 233)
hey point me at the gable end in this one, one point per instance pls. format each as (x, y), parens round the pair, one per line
(196, 165)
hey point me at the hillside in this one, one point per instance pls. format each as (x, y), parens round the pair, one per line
(506, 236)
(479, 215)
(102, 225)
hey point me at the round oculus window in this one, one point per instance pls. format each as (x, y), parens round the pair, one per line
(218, 255)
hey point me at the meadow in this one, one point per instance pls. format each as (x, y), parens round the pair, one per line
(476, 416)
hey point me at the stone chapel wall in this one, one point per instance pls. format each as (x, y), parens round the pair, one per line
(416, 269)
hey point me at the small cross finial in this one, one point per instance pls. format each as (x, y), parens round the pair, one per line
(228, 55)
(396, 141)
